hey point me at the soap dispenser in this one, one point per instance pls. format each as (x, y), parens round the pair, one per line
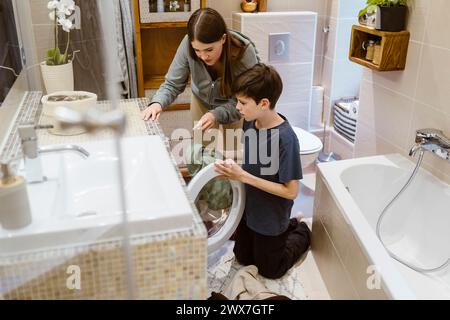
(15, 212)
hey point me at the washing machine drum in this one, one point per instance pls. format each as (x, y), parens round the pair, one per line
(220, 203)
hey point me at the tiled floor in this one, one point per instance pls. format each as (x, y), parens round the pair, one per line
(302, 282)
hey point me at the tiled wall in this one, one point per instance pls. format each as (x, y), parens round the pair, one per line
(394, 104)
(297, 73)
(226, 8)
(340, 77)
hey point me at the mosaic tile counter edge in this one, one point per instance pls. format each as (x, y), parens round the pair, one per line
(166, 266)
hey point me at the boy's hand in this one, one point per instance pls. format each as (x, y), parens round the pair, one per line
(229, 169)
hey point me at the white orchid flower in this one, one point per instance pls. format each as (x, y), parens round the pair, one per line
(52, 5)
(66, 7)
(71, 4)
(61, 15)
(66, 24)
(63, 10)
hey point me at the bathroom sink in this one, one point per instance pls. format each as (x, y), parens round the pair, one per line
(80, 201)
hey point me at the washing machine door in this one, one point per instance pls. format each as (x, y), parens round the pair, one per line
(220, 223)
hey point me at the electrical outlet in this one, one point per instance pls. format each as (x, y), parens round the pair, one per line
(279, 47)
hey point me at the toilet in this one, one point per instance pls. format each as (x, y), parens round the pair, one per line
(222, 224)
(310, 146)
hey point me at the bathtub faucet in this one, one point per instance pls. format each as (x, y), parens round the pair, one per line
(432, 140)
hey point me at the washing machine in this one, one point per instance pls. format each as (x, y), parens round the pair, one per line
(220, 223)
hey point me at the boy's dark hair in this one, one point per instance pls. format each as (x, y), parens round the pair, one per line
(259, 82)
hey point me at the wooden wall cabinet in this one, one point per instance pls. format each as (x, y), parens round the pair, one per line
(392, 51)
(156, 45)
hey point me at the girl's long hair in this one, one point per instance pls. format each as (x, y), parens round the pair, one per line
(206, 25)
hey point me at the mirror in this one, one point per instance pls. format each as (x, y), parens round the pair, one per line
(10, 60)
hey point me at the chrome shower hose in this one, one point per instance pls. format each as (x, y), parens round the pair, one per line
(383, 213)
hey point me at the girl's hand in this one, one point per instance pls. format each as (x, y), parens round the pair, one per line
(229, 169)
(152, 112)
(206, 122)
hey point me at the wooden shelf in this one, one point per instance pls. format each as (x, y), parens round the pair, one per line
(159, 25)
(156, 45)
(179, 107)
(394, 48)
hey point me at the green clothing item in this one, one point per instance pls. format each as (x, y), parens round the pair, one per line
(218, 192)
(203, 86)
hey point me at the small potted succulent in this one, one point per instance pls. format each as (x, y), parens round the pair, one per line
(390, 15)
(76, 100)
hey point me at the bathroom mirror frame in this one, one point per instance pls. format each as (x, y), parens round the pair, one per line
(11, 62)
(29, 76)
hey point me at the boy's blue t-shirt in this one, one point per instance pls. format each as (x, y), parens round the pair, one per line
(274, 155)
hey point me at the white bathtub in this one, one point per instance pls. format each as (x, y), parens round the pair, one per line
(416, 227)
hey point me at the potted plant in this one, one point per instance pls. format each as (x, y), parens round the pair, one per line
(57, 70)
(390, 15)
(79, 101)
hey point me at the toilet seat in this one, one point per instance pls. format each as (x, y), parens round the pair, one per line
(194, 187)
(309, 143)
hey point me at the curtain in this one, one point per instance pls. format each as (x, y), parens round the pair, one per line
(9, 48)
(125, 47)
(89, 62)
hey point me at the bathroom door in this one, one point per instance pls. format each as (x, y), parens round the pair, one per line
(220, 203)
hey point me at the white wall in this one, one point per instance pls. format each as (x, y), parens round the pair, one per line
(297, 73)
(340, 77)
(396, 103)
(227, 7)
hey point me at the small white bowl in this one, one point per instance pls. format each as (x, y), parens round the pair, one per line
(48, 108)
(82, 105)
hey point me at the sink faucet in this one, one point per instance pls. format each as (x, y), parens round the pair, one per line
(31, 151)
(432, 140)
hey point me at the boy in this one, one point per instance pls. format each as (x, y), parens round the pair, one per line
(271, 170)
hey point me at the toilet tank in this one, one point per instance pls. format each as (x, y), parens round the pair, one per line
(297, 71)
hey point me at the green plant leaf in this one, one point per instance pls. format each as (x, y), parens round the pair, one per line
(372, 9)
(361, 12)
(53, 56)
(372, 4)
